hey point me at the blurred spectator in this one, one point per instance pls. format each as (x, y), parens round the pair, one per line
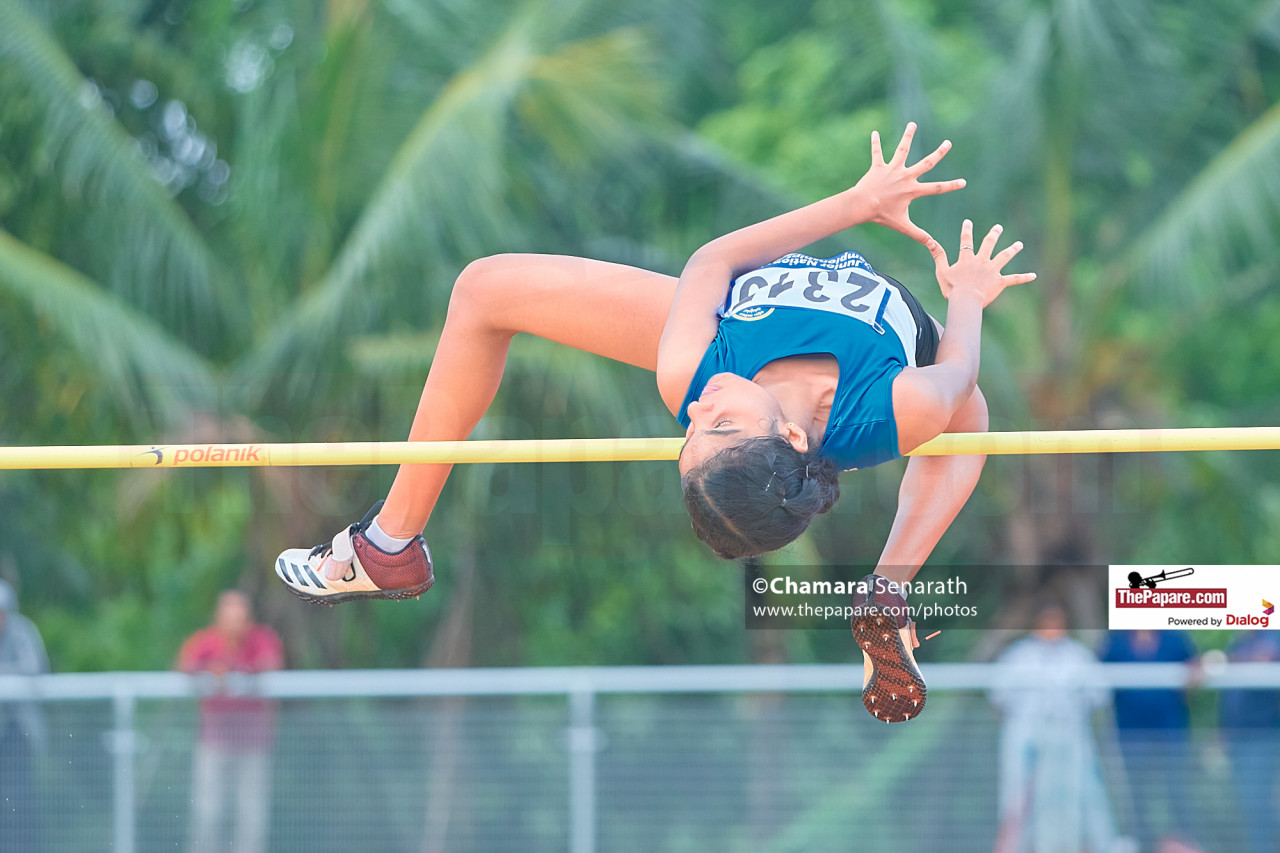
(21, 726)
(1051, 792)
(1250, 721)
(1153, 727)
(233, 751)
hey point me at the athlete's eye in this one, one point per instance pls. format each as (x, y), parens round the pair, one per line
(721, 423)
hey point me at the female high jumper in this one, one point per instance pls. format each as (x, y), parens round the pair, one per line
(785, 370)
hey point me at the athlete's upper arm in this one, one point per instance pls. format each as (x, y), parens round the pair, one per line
(691, 325)
(924, 401)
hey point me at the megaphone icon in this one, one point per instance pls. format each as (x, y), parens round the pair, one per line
(1137, 581)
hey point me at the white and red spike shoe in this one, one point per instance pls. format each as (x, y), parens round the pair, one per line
(373, 573)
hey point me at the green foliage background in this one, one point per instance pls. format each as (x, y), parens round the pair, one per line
(240, 221)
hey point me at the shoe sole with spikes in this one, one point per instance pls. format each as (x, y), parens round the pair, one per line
(893, 689)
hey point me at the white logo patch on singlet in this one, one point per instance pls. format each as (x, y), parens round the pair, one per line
(752, 312)
(845, 284)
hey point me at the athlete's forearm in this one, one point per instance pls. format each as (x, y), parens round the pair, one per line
(756, 245)
(960, 349)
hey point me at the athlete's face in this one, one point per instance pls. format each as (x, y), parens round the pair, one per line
(729, 410)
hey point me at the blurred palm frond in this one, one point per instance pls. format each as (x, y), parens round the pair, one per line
(168, 270)
(1229, 211)
(143, 367)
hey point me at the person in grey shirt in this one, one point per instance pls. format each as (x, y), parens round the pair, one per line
(21, 726)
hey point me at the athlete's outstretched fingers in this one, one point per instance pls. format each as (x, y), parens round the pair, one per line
(877, 154)
(939, 187)
(989, 242)
(904, 147)
(966, 236)
(932, 160)
(1007, 254)
(1017, 278)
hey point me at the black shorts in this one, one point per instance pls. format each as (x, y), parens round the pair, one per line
(926, 331)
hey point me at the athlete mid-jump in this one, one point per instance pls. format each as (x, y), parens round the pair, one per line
(785, 370)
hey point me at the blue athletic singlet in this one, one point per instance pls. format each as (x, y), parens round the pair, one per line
(839, 306)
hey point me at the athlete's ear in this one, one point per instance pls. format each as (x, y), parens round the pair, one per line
(798, 438)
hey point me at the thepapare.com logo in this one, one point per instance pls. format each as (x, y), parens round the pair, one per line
(1150, 592)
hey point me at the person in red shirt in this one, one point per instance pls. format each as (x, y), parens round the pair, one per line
(233, 749)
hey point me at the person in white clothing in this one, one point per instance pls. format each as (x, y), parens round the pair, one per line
(1051, 793)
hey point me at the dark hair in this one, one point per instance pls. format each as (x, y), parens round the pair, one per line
(758, 495)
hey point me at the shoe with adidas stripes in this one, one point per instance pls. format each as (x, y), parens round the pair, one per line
(373, 573)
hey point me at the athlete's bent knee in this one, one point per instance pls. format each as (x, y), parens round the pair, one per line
(471, 284)
(478, 288)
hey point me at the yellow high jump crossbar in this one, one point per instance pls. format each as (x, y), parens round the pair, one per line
(604, 449)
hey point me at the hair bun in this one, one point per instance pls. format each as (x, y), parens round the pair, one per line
(733, 498)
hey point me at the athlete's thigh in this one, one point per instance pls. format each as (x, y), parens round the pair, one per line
(612, 310)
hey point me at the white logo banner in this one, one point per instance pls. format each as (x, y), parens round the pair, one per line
(1188, 596)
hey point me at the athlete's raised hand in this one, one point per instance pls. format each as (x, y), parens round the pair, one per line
(977, 272)
(890, 186)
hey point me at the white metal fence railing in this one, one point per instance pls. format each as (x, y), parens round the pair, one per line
(485, 742)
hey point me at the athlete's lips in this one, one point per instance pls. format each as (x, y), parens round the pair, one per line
(709, 389)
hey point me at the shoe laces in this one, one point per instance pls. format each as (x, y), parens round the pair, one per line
(324, 549)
